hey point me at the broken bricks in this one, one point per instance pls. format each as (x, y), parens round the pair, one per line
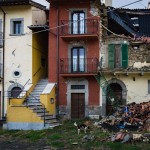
(132, 117)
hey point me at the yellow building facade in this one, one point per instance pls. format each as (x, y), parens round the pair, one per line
(24, 56)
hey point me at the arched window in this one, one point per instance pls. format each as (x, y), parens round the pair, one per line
(15, 92)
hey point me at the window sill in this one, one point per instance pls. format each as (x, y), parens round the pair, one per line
(16, 34)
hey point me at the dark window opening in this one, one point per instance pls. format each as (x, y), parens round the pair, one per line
(15, 92)
(136, 47)
(16, 73)
(77, 87)
(135, 22)
(17, 27)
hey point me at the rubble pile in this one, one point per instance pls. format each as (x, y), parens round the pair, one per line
(128, 123)
(132, 116)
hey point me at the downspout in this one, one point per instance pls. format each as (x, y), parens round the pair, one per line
(57, 47)
(3, 57)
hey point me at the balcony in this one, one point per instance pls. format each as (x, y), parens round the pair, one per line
(78, 67)
(79, 29)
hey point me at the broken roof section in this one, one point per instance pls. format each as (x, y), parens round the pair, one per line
(130, 22)
(21, 2)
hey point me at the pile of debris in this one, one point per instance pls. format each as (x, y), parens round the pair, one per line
(132, 116)
(126, 120)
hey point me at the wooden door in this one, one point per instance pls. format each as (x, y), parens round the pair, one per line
(77, 105)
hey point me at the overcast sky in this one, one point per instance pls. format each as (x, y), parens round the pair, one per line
(142, 4)
(116, 3)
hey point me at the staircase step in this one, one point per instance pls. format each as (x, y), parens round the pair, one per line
(37, 108)
(47, 117)
(53, 126)
(33, 107)
(39, 111)
(33, 98)
(34, 104)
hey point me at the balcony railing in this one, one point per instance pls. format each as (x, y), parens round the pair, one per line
(85, 26)
(78, 66)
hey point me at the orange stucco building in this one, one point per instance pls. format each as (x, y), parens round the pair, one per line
(74, 56)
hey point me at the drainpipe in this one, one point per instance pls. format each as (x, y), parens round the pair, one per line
(57, 47)
(3, 57)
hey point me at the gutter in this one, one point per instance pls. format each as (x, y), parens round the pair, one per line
(3, 57)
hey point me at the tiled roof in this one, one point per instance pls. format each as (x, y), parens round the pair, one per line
(21, 2)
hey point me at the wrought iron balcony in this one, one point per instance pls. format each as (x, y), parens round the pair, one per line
(78, 66)
(79, 27)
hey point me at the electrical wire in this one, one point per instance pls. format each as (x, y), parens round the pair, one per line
(32, 33)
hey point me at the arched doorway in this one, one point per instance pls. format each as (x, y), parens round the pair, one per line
(116, 93)
(117, 83)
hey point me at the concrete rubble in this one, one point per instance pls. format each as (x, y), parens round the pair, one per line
(128, 123)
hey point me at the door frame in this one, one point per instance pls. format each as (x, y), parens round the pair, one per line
(78, 106)
(124, 93)
(114, 88)
(69, 91)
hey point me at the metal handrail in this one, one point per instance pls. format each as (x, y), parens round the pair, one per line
(37, 106)
(37, 71)
(79, 65)
(27, 93)
(83, 26)
(25, 84)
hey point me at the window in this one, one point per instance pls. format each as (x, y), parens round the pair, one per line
(78, 59)
(74, 87)
(148, 86)
(16, 26)
(117, 56)
(16, 74)
(78, 22)
(15, 92)
(136, 47)
(1, 34)
(135, 22)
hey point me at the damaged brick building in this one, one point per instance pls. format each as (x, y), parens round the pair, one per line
(125, 55)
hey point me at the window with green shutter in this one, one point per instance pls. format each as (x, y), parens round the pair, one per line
(124, 49)
(117, 56)
(111, 54)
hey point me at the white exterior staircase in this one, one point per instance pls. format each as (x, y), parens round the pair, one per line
(33, 102)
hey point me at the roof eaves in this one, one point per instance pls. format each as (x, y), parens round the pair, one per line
(21, 2)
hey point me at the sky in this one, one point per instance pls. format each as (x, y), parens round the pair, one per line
(116, 3)
(142, 4)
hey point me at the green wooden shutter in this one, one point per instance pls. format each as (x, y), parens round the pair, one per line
(111, 52)
(124, 48)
